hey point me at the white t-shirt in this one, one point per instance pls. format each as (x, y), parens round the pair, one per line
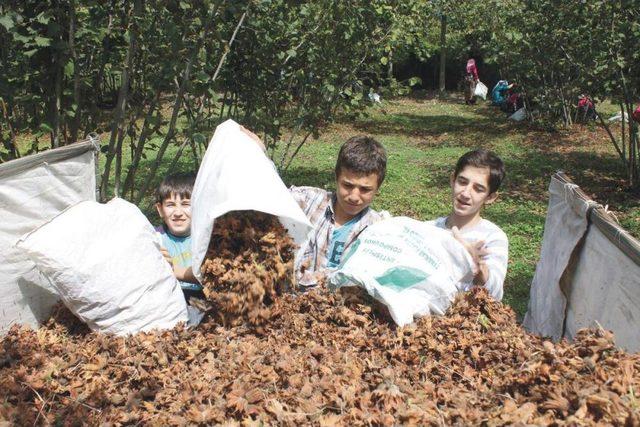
(496, 243)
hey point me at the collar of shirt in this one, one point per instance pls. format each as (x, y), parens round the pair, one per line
(330, 211)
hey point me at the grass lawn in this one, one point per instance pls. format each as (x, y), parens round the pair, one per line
(424, 137)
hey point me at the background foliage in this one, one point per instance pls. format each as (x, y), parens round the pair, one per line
(559, 50)
(153, 74)
(157, 74)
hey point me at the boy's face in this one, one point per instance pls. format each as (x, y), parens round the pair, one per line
(176, 214)
(470, 190)
(354, 192)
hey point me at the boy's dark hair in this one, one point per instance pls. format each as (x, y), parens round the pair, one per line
(363, 155)
(180, 184)
(483, 159)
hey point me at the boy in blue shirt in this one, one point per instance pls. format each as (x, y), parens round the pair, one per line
(173, 202)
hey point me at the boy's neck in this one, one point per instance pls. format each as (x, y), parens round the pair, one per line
(166, 230)
(340, 217)
(462, 222)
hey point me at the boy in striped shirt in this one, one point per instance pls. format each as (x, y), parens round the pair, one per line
(474, 184)
(339, 216)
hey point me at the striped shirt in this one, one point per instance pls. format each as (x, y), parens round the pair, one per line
(498, 246)
(317, 204)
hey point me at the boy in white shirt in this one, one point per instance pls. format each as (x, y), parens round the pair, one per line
(474, 184)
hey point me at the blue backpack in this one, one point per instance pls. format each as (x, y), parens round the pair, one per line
(499, 93)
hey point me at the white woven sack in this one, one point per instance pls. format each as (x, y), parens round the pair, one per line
(481, 90)
(104, 262)
(414, 268)
(235, 175)
(519, 115)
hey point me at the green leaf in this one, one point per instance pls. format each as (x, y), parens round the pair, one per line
(68, 69)
(414, 81)
(42, 18)
(484, 321)
(202, 77)
(45, 128)
(384, 60)
(30, 53)
(20, 38)
(199, 138)
(41, 41)
(6, 22)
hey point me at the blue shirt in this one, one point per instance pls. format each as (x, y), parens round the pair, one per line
(339, 238)
(179, 248)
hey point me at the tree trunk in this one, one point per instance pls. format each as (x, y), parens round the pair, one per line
(443, 52)
(75, 122)
(634, 175)
(120, 108)
(633, 148)
(171, 167)
(177, 104)
(57, 101)
(10, 142)
(180, 96)
(623, 133)
(142, 139)
(613, 139)
(94, 113)
(566, 113)
(118, 172)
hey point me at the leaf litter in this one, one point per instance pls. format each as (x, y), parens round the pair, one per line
(316, 358)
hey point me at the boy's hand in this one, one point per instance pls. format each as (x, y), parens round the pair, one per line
(184, 274)
(482, 275)
(253, 136)
(478, 252)
(165, 254)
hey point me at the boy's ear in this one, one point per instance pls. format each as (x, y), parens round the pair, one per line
(452, 179)
(491, 198)
(159, 209)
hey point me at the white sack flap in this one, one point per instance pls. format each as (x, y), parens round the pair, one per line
(235, 175)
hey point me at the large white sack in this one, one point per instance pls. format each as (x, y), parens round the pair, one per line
(33, 190)
(481, 90)
(235, 175)
(414, 268)
(104, 261)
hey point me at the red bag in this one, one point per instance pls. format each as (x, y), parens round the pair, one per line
(471, 66)
(585, 102)
(636, 114)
